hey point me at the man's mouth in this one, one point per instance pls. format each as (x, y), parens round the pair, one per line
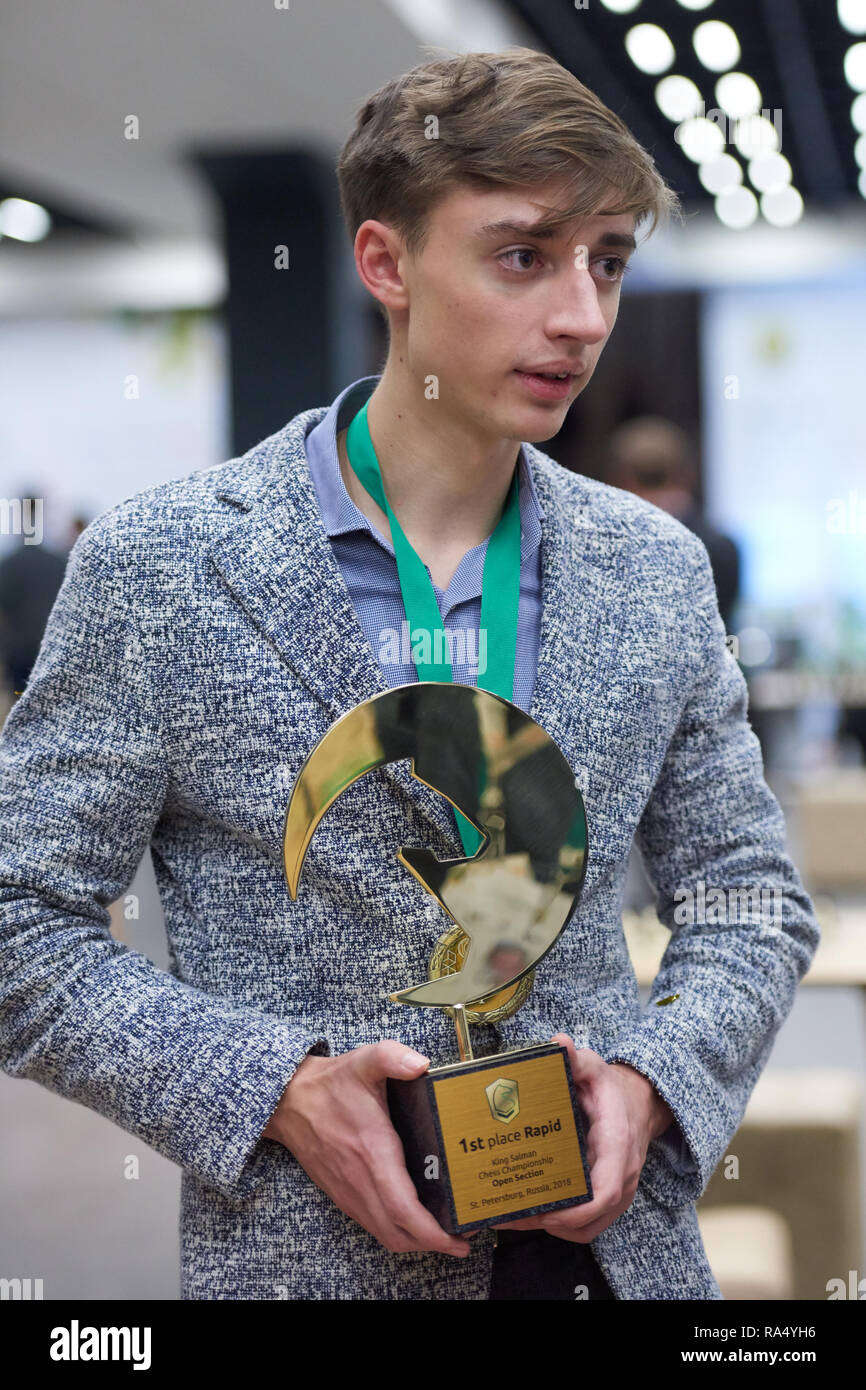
(553, 386)
(551, 376)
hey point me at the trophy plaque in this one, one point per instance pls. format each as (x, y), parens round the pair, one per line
(499, 1137)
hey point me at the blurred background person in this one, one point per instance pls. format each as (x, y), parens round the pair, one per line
(652, 457)
(30, 577)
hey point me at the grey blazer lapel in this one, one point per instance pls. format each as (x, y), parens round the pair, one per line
(278, 564)
(586, 570)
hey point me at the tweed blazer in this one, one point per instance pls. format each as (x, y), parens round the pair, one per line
(202, 641)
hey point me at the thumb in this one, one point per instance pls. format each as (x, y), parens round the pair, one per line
(390, 1058)
(585, 1063)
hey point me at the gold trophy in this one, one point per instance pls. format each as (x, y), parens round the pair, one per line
(500, 1137)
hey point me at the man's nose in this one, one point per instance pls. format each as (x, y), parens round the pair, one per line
(575, 311)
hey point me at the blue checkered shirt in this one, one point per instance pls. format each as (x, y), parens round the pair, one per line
(369, 568)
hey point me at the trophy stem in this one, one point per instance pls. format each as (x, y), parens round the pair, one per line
(458, 1013)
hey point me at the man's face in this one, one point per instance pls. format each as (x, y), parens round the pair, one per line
(488, 302)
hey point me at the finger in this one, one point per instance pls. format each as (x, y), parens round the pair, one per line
(588, 1072)
(379, 1060)
(388, 1177)
(404, 1209)
(574, 1223)
(422, 1230)
(362, 1199)
(608, 1202)
(420, 1227)
(584, 1234)
(585, 1064)
(369, 1211)
(607, 1173)
(573, 1219)
(547, 1222)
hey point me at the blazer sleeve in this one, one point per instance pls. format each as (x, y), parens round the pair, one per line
(734, 959)
(82, 783)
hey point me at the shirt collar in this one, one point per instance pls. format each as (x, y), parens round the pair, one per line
(339, 512)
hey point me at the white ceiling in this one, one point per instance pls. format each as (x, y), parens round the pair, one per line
(229, 73)
(246, 74)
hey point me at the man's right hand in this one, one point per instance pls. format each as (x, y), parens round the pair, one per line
(333, 1116)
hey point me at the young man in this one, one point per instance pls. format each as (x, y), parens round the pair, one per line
(210, 630)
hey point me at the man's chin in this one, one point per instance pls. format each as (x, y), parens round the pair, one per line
(539, 425)
(544, 419)
(525, 426)
(538, 436)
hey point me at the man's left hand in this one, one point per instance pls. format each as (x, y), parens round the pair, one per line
(624, 1112)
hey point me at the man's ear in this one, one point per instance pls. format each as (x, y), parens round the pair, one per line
(378, 250)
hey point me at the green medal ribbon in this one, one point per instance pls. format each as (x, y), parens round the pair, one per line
(500, 589)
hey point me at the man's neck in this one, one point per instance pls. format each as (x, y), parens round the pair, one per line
(445, 484)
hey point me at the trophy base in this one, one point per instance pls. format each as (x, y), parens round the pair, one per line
(493, 1139)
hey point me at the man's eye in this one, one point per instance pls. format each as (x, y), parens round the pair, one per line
(615, 267)
(519, 251)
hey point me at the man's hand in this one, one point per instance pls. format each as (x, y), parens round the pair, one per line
(333, 1116)
(624, 1112)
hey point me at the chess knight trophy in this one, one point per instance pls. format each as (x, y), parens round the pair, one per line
(500, 1137)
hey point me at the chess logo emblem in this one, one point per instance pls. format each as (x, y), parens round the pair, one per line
(503, 1099)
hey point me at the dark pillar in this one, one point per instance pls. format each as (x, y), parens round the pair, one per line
(296, 333)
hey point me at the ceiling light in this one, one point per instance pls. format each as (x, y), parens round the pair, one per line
(858, 112)
(738, 95)
(852, 15)
(621, 6)
(23, 220)
(649, 48)
(755, 135)
(720, 172)
(699, 139)
(860, 151)
(737, 207)
(769, 172)
(696, 4)
(783, 207)
(716, 45)
(678, 98)
(855, 67)
(861, 183)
